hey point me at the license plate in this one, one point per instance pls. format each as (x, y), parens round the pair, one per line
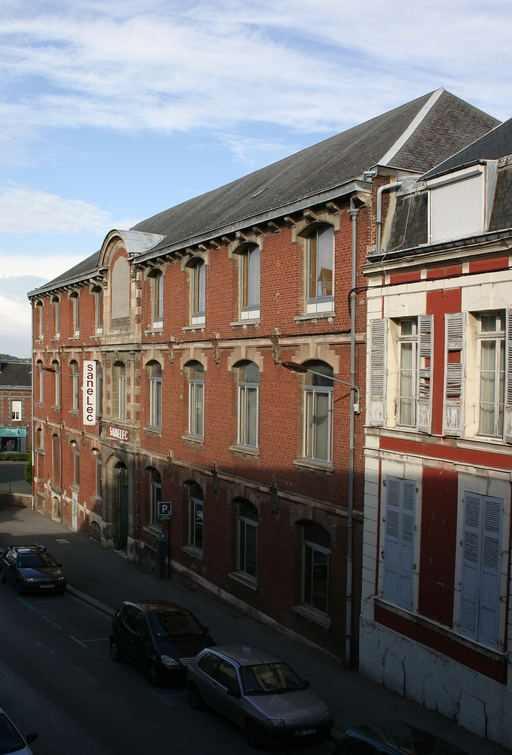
(305, 732)
(46, 587)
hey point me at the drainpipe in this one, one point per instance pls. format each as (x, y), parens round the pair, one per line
(378, 219)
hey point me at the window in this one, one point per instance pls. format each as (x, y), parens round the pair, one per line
(247, 538)
(99, 389)
(318, 402)
(41, 381)
(491, 337)
(120, 296)
(320, 270)
(408, 344)
(56, 316)
(16, 411)
(74, 313)
(119, 390)
(399, 541)
(250, 283)
(198, 292)
(98, 486)
(55, 461)
(248, 397)
(76, 385)
(39, 328)
(98, 309)
(196, 399)
(157, 298)
(56, 385)
(155, 495)
(316, 567)
(480, 587)
(457, 206)
(40, 439)
(155, 394)
(76, 462)
(195, 506)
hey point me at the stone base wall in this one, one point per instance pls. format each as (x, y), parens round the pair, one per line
(16, 499)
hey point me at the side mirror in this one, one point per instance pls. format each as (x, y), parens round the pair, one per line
(31, 738)
(234, 692)
(306, 685)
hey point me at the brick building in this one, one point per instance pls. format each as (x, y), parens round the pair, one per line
(435, 619)
(15, 407)
(183, 324)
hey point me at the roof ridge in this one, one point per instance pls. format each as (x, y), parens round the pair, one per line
(411, 128)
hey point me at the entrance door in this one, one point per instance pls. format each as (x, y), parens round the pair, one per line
(123, 506)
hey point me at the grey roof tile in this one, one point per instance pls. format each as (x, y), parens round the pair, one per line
(15, 374)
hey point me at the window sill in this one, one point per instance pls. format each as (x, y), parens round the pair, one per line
(39, 451)
(96, 335)
(313, 616)
(245, 323)
(75, 412)
(321, 466)
(152, 430)
(315, 316)
(153, 332)
(198, 439)
(244, 579)
(153, 530)
(245, 450)
(97, 499)
(74, 488)
(75, 337)
(193, 328)
(55, 408)
(194, 552)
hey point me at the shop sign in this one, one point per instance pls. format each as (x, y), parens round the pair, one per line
(89, 390)
(13, 432)
(119, 433)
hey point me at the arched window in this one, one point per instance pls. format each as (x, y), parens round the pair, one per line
(39, 325)
(155, 494)
(250, 283)
(120, 288)
(248, 400)
(40, 372)
(157, 298)
(318, 403)
(75, 452)
(320, 270)
(247, 539)
(316, 567)
(196, 398)
(74, 298)
(56, 316)
(73, 365)
(56, 384)
(56, 461)
(97, 292)
(98, 487)
(195, 510)
(197, 292)
(155, 394)
(119, 390)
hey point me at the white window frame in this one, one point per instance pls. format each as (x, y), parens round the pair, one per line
(246, 391)
(500, 368)
(196, 406)
(157, 299)
(75, 306)
(198, 292)
(56, 385)
(315, 302)
(250, 283)
(16, 410)
(76, 386)
(196, 505)
(310, 432)
(308, 579)
(247, 528)
(155, 396)
(56, 316)
(98, 310)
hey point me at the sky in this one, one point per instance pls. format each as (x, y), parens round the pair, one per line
(114, 110)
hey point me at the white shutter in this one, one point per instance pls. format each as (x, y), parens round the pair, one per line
(378, 332)
(424, 403)
(481, 568)
(454, 374)
(508, 380)
(457, 209)
(399, 542)
(490, 581)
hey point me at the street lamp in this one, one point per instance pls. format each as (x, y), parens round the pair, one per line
(296, 367)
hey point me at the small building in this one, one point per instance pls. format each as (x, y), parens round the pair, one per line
(160, 376)
(435, 617)
(15, 406)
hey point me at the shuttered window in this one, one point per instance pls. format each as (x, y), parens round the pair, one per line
(481, 568)
(457, 209)
(508, 379)
(453, 374)
(399, 542)
(378, 335)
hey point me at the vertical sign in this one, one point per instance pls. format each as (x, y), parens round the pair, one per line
(89, 393)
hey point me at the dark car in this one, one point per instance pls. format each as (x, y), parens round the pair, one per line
(32, 569)
(159, 637)
(10, 738)
(260, 693)
(393, 738)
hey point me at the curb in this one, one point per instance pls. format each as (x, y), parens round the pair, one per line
(92, 601)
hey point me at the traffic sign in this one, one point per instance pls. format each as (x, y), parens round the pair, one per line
(164, 511)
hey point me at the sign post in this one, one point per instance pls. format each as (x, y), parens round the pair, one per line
(164, 514)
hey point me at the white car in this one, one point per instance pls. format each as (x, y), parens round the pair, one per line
(10, 738)
(260, 693)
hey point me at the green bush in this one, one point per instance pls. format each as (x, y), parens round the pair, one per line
(15, 457)
(27, 471)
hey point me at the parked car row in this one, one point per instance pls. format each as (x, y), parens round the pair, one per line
(31, 569)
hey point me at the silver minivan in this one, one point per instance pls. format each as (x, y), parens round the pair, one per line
(260, 693)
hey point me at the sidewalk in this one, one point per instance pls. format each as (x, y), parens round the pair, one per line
(105, 578)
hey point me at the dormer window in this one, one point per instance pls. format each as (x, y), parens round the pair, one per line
(457, 205)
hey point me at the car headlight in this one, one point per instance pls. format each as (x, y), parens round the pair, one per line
(28, 579)
(168, 661)
(275, 721)
(59, 578)
(326, 716)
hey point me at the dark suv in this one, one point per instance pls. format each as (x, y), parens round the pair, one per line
(393, 738)
(32, 569)
(159, 637)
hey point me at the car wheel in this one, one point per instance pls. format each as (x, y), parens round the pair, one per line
(252, 734)
(153, 674)
(194, 698)
(115, 653)
(3, 578)
(20, 589)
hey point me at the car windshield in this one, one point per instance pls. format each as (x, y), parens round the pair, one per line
(175, 624)
(270, 678)
(10, 740)
(35, 560)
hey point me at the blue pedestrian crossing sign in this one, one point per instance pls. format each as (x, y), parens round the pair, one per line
(164, 511)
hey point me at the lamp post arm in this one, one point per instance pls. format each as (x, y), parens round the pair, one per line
(337, 380)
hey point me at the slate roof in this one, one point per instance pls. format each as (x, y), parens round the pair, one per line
(15, 375)
(493, 145)
(413, 137)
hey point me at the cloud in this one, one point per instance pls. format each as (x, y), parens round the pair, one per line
(32, 211)
(44, 268)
